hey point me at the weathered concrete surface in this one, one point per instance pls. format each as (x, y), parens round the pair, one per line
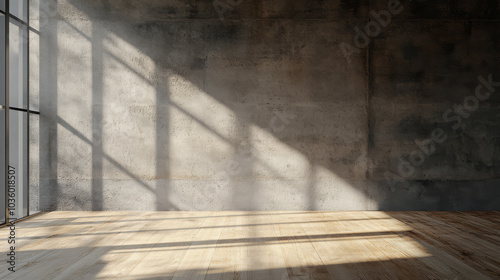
(162, 106)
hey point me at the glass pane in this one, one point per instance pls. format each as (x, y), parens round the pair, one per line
(2, 166)
(34, 74)
(2, 60)
(18, 146)
(19, 8)
(2, 5)
(18, 62)
(34, 163)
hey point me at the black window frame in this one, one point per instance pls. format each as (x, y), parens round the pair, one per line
(8, 17)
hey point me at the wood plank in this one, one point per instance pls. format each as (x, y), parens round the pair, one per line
(224, 264)
(334, 252)
(50, 251)
(257, 245)
(396, 264)
(301, 259)
(164, 258)
(265, 256)
(55, 246)
(437, 265)
(365, 261)
(476, 252)
(197, 259)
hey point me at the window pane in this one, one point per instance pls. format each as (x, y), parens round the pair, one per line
(34, 74)
(18, 61)
(2, 5)
(19, 8)
(2, 60)
(18, 161)
(34, 164)
(2, 166)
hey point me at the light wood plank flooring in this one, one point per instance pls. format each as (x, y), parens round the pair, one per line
(255, 245)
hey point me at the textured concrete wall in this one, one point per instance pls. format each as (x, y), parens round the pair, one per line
(279, 105)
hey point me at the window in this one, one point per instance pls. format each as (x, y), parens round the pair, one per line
(19, 111)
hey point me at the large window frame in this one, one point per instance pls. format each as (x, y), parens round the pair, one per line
(24, 112)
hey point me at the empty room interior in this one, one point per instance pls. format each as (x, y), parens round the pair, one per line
(249, 139)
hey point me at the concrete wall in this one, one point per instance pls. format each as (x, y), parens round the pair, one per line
(163, 105)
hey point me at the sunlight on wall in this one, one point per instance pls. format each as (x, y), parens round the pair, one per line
(73, 102)
(203, 131)
(159, 129)
(129, 118)
(130, 60)
(235, 159)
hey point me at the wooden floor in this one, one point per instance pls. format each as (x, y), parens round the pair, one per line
(255, 245)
